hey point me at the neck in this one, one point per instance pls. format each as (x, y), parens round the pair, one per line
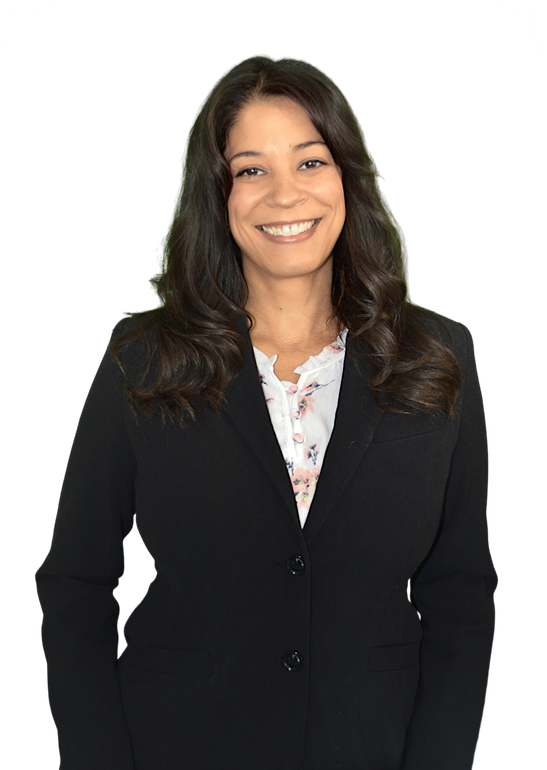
(288, 333)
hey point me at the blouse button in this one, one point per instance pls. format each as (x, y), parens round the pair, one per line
(293, 389)
(296, 414)
(298, 438)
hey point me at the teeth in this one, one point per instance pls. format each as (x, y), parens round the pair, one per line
(289, 229)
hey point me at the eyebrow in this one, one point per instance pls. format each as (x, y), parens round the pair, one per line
(296, 148)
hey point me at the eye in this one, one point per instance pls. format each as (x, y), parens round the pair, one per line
(249, 172)
(314, 163)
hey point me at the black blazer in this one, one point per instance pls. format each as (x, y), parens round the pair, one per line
(261, 645)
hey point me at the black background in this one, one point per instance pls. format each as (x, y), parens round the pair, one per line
(102, 103)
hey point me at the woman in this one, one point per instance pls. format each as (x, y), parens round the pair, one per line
(298, 441)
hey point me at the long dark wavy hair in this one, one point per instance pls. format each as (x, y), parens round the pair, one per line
(192, 335)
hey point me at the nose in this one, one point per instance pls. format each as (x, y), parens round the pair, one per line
(284, 190)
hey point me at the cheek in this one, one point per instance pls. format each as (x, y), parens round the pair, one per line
(232, 209)
(338, 195)
(239, 207)
(238, 221)
(340, 207)
(331, 194)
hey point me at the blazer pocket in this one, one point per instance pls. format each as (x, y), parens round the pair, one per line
(187, 660)
(393, 657)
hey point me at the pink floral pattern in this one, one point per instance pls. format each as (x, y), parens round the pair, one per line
(302, 415)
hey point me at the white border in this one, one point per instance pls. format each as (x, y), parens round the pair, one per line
(12, 9)
(9, 47)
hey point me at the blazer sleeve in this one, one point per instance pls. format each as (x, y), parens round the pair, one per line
(453, 592)
(76, 581)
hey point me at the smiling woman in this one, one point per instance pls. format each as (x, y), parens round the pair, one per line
(298, 442)
(310, 160)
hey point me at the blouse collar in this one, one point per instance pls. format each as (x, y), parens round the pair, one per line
(330, 353)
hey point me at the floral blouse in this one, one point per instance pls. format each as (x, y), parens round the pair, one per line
(302, 414)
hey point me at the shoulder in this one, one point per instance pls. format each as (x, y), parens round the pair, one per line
(453, 334)
(133, 342)
(126, 323)
(136, 324)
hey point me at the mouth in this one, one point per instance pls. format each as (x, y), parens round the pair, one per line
(283, 230)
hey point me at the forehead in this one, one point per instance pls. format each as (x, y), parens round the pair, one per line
(265, 121)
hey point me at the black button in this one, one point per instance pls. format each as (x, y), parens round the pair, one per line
(292, 660)
(296, 565)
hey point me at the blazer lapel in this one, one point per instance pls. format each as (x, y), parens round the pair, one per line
(357, 417)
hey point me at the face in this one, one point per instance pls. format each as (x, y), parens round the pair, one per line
(286, 208)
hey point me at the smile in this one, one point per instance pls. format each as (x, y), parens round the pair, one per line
(282, 231)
